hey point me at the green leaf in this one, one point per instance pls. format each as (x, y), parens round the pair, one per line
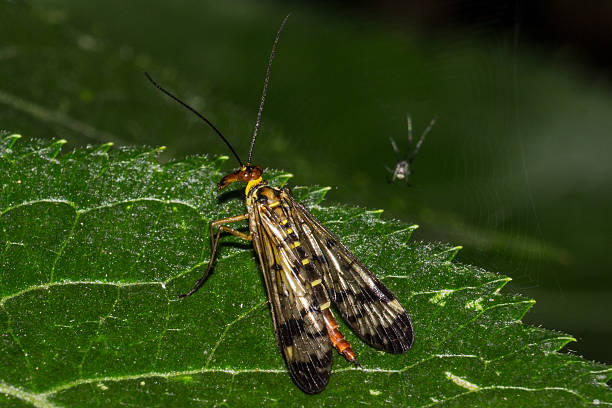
(97, 243)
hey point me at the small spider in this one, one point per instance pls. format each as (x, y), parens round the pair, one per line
(402, 168)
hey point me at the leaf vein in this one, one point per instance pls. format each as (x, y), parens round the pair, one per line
(227, 328)
(100, 323)
(64, 244)
(50, 285)
(37, 400)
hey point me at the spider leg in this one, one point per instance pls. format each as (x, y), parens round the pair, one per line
(395, 149)
(420, 142)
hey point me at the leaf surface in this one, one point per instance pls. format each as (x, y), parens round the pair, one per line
(97, 243)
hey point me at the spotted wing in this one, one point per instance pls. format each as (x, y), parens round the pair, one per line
(366, 305)
(299, 326)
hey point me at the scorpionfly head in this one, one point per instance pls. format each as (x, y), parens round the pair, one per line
(245, 174)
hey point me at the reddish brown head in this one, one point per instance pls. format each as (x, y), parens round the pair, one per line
(245, 174)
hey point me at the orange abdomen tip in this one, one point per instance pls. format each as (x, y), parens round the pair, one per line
(337, 338)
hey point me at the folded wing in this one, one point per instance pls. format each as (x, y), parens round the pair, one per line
(298, 322)
(366, 305)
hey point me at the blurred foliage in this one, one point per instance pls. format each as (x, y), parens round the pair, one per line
(516, 169)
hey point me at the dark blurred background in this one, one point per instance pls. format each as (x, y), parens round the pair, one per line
(517, 169)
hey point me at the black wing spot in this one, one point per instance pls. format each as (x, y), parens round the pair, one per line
(319, 334)
(320, 259)
(291, 238)
(338, 296)
(311, 376)
(398, 338)
(290, 326)
(312, 308)
(301, 253)
(368, 295)
(298, 266)
(365, 295)
(330, 243)
(383, 289)
(355, 317)
(404, 338)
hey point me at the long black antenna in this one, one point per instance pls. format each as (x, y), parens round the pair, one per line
(198, 114)
(265, 90)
